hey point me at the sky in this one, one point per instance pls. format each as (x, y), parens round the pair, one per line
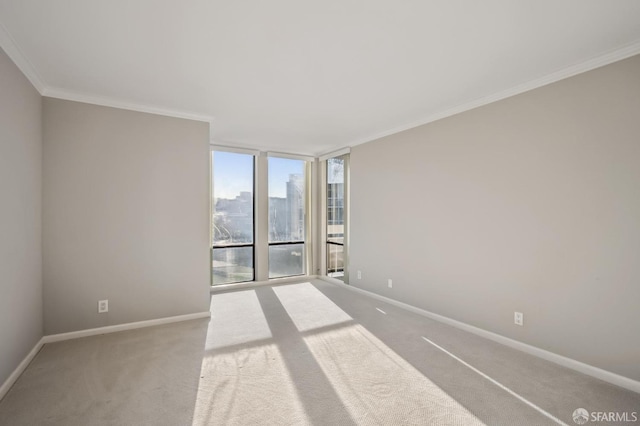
(233, 173)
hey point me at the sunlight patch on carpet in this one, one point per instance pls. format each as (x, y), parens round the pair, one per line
(238, 388)
(236, 318)
(308, 308)
(377, 386)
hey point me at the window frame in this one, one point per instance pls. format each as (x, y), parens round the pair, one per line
(327, 241)
(304, 242)
(212, 245)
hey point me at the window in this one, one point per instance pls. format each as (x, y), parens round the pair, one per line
(232, 253)
(335, 226)
(287, 199)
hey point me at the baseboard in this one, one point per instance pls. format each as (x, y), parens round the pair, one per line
(607, 376)
(221, 288)
(89, 332)
(20, 368)
(122, 327)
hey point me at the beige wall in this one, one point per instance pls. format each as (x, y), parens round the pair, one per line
(126, 203)
(529, 204)
(20, 216)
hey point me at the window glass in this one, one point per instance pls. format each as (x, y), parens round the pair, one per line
(335, 217)
(286, 217)
(232, 222)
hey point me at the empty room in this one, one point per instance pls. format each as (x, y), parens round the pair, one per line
(319, 213)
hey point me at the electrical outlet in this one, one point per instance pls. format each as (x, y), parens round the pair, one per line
(103, 306)
(390, 283)
(518, 318)
(359, 275)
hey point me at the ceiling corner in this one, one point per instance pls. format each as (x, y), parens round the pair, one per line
(10, 47)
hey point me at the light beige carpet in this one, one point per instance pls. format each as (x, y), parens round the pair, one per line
(309, 353)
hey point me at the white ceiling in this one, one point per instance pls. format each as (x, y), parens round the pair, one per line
(308, 77)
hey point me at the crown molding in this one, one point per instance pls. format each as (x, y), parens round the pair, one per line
(261, 148)
(596, 62)
(234, 149)
(333, 153)
(116, 103)
(12, 50)
(290, 156)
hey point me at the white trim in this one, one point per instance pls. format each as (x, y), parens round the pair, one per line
(314, 186)
(13, 377)
(607, 376)
(122, 327)
(498, 384)
(220, 288)
(12, 50)
(90, 332)
(260, 218)
(570, 71)
(53, 92)
(308, 217)
(234, 149)
(334, 154)
(290, 156)
(263, 148)
(322, 218)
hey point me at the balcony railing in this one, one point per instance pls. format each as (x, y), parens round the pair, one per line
(232, 263)
(335, 259)
(286, 259)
